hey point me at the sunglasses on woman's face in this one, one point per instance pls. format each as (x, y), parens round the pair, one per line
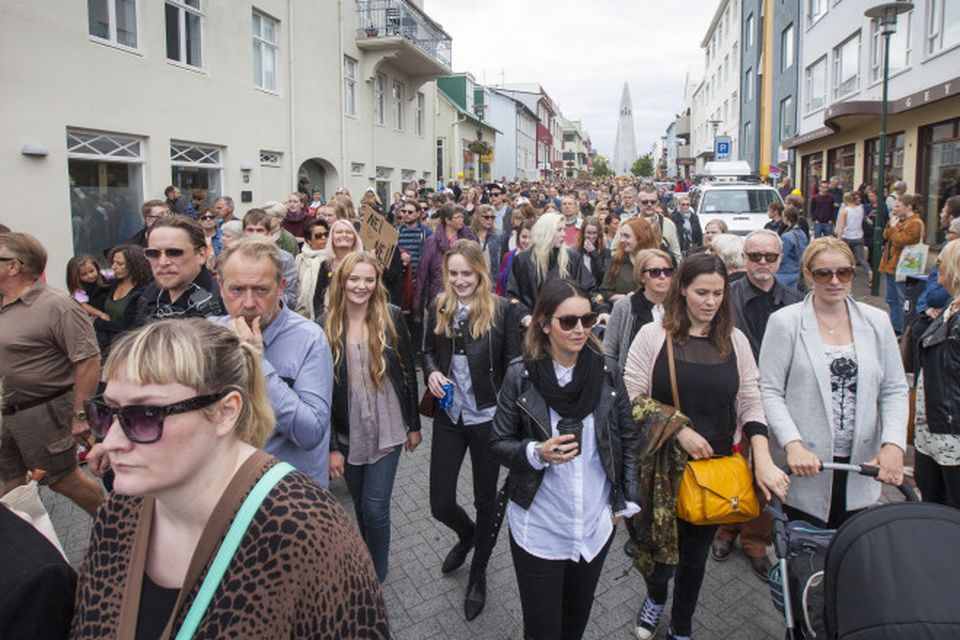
(660, 272)
(320, 236)
(824, 276)
(569, 323)
(208, 218)
(142, 424)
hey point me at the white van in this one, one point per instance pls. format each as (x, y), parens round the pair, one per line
(729, 192)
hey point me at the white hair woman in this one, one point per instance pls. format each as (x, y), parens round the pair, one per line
(343, 240)
(729, 248)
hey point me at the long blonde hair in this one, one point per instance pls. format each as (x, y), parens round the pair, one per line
(380, 330)
(202, 355)
(541, 246)
(483, 308)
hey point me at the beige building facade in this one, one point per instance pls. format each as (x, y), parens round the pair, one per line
(114, 100)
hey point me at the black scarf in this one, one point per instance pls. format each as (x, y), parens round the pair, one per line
(578, 399)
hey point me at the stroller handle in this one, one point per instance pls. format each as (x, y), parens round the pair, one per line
(864, 470)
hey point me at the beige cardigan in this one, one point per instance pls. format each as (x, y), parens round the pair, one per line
(646, 348)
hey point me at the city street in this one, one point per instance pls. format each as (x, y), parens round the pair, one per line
(422, 603)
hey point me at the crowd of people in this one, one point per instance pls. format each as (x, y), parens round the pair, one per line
(219, 370)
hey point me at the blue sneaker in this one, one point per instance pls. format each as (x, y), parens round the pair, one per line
(648, 619)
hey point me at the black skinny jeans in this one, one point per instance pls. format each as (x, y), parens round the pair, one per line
(694, 542)
(450, 444)
(937, 483)
(556, 595)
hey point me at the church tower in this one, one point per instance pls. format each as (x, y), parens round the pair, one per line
(625, 147)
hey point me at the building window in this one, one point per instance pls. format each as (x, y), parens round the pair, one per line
(786, 48)
(748, 85)
(265, 31)
(398, 106)
(379, 88)
(184, 26)
(197, 166)
(349, 86)
(893, 164)
(748, 33)
(356, 168)
(846, 67)
(384, 177)
(270, 158)
(113, 20)
(943, 25)
(840, 163)
(786, 117)
(815, 10)
(418, 116)
(106, 188)
(747, 136)
(899, 48)
(815, 85)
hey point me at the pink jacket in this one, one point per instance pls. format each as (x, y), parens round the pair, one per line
(646, 348)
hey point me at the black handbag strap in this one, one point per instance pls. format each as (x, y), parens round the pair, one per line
(673, 373)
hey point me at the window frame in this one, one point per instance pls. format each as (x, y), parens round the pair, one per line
(787, 126)
(837, 92)
(748, 85)
(182, 10)
(748, 32)
(419, 112)
(397, 95)
(876, 49)
(379, 99)
(111, 38)
(788, 56)
(808, 88)
(811, 18)
(349, 86)
(259, 41)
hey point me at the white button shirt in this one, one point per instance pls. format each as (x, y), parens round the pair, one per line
(570, 516)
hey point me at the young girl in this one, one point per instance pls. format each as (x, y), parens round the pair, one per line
(374, 408)
(87, 284)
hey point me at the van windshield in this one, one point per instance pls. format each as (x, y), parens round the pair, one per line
(738, 200)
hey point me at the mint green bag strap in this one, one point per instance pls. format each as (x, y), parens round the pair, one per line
(229, 547)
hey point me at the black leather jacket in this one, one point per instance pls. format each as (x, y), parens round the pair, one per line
(524, 285)
(200, 300)
(940, 358)
(522, 415)
(487, 355)
(400, 371)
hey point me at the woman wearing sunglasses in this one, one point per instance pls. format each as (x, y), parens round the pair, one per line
(309, 261)
(182, 417)
(846, 400)
(564, 430)
(374, 412)
(485, 231)
(470, 337)
(644, 305)
(716, 377)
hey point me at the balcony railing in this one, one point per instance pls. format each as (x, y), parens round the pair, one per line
(399, 18)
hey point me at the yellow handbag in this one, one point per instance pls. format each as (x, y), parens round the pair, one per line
(717, 490)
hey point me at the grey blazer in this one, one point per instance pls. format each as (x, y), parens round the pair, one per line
(798, 401)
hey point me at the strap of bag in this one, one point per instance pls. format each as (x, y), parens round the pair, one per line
(673, 373)
(229, 547)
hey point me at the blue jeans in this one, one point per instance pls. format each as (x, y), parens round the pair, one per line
(371, 486)
(895, 295)
(821, 229)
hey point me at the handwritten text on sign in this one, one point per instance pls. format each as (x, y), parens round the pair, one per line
(379, 237)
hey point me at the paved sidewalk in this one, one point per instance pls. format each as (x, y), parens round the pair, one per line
(424, 604)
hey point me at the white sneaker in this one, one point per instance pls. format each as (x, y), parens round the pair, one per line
(648, 619)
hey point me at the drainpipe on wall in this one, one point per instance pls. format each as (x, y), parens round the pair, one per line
(343, 140)
(294, 163)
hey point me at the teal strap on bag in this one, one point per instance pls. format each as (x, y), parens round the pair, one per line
(229, 547)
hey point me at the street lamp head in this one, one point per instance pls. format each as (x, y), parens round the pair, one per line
(886, 14)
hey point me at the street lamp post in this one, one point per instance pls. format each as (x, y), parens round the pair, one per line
(886, 15)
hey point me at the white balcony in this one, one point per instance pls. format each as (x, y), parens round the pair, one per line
(399, 31)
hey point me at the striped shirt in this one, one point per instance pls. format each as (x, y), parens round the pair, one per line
(411, 240)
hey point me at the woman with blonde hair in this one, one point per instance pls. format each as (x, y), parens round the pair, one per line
(545, 260)
(484, 229)
(470, 337)
(654, 269)
(343, 240)
(636, 234)
(343, 208)
(372, 200)
(374, 408)
(182, 417)
(834, 390)
(591, 247)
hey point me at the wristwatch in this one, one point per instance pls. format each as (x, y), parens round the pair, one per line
(80, 416)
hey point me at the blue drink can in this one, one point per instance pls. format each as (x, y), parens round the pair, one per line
(446, 402)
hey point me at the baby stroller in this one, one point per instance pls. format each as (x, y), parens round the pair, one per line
(888, 572)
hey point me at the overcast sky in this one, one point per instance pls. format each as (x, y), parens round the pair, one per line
(582, 51)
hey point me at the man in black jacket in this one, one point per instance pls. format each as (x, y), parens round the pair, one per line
(151, 210)
(753, 299)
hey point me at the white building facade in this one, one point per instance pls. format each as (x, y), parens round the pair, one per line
(516, 157)
(241, 99)
(715, 110)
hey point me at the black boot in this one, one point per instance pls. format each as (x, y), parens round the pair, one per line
(476, 593)
(458, 554)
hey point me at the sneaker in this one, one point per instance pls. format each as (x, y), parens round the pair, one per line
(648, 619)
(673, 636)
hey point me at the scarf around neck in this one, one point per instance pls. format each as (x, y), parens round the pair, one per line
(578, 399)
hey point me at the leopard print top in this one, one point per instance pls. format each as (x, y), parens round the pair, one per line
(301, 571)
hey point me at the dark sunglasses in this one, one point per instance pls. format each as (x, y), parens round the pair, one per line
(318, 236)
(489, 217)
(142, 424)
(208, 217)
(411, 211)
(172, 252)
(660, 272)
(757, 256)
(823, 276)
(569, 323)
(647, 201)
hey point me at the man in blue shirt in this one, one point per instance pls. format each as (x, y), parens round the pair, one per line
(295, 357)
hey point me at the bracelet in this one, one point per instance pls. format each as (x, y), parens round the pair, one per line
(538, 451)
